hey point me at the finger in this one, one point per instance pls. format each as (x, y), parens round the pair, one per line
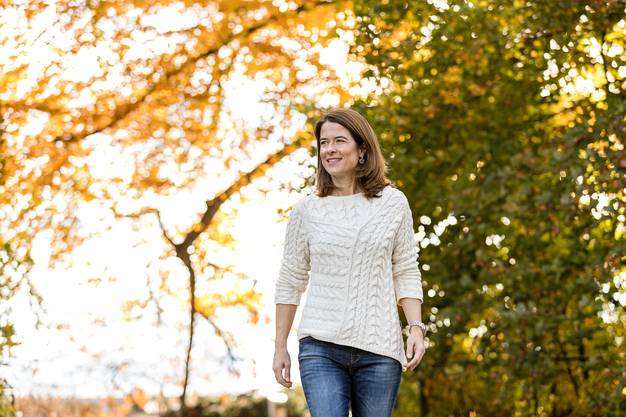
(419, 354)
(409, 349)
(283, 382)
(288, 372)
(278, 374)
(416, 359)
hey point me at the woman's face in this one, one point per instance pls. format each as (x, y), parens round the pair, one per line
(338, 150)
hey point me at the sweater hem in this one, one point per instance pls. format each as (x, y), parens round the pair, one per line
(369, 348)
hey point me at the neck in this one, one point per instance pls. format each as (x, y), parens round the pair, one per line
(345, 186)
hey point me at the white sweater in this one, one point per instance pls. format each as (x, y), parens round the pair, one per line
(362, 260)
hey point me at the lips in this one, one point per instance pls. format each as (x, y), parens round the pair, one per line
(333, 159)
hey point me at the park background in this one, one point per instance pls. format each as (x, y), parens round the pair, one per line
(151, 151)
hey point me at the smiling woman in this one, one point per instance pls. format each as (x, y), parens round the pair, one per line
(339, 154)
(349, 159)
(356, 238)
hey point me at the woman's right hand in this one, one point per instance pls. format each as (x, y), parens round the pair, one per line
(282, 366)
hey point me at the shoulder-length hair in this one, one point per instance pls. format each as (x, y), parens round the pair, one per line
(371, 175)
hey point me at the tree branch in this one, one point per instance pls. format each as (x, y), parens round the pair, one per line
(124, 110)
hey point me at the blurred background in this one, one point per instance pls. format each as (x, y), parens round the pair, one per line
(150, 152)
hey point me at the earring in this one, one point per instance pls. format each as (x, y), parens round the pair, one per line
(361, 160)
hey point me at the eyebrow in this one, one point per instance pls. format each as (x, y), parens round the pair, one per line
(338, 136)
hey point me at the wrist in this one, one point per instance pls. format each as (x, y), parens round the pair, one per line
(280, 344)
(416, 326)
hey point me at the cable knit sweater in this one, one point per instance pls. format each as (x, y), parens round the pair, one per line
(362, 259)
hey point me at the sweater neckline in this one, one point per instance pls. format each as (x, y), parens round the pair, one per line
(349, 196)
(346, 196)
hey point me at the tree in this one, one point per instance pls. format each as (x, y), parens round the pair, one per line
(158, 92)
(503, 123)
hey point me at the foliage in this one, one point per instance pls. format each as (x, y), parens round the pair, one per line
(131, 404)
(10, 283)
(7, 401)
(116, 108)
(244, 405)
(504, 124)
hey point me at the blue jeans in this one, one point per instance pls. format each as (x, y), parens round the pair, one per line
(335, 377)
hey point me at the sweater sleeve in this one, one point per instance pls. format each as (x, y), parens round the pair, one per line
(407, 278)
(294, 271)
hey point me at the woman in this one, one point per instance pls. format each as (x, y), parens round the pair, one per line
(356, 238)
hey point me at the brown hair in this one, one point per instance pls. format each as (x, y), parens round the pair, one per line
(371, 175)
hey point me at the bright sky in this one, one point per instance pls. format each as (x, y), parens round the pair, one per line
(78, 360)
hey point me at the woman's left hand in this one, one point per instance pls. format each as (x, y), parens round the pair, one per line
(414, 348)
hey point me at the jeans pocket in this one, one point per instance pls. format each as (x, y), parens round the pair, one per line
(307, 347)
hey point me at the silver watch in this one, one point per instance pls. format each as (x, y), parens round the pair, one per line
(418, 324)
